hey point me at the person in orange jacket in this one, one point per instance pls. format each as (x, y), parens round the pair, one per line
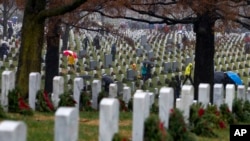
(133, 66)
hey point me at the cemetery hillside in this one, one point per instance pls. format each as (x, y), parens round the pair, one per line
(113, 71)
(79, 102)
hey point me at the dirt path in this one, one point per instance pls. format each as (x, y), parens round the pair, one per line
(93, 122)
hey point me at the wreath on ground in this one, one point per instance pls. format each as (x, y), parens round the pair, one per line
(203, 121)
(66, 99)
(241, 110)
(17, 104)
(85, 101)
(43, 102)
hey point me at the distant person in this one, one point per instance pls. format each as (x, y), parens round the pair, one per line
(107, 80)
(184, 41)
(134, 68)
(86, 42)
(149, 68)
(71, 61)
(4, 50)
(96, 42)
(10, 31)
(188, 73)
(247, 43)
(173, 84)
(113, 51)
(144, 72)
(178, 86)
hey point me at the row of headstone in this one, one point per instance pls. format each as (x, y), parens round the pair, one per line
(8, 84)
(66, 118)
(65, 128)
(95, 63)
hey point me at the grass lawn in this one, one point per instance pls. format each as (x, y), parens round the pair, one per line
(41, 126)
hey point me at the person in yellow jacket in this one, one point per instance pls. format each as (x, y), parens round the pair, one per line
(188, 73)
(71, 61)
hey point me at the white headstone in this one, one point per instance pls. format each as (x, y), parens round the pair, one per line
(13, 131)
(204, 94)
(8, 83)
(122, 77)
(178, 103)
(248, 94)
(96, 89)
(58, 89)
(132, 86)
(66, 124)
(151, 98)
(113, 90)
(103, 71)
(140, 113)
(34, 87)
(241, 92)
(126, 94)
(109, 119)
(166, 103)
(230, 91)
(156, 90)
(218, 97)
(187, 97)
(78, 86)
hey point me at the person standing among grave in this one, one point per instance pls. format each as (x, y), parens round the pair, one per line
(178, 86)
(149, 67)
(188, 72)
(107, 80)
(133, 67)
(144, 72)
(71, 61)
(4, 50)
(113, 51)
(184, 41)
(86, 42)
(247, 43)
(10, 31)
(97, 42)
(173, 84)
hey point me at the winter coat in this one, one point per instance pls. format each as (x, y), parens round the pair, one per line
(143, 70)
(188, 69)
(71, 60)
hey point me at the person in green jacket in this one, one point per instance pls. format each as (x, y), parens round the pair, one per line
(144, 72)
(188, 73)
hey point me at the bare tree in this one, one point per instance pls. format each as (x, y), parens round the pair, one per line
(32, 41)
(202, 14)
(8, 9)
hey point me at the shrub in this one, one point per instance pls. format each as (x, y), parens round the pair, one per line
(154, 130)
(66, 99)
(178, 128)
(241, 110)
(85, 104)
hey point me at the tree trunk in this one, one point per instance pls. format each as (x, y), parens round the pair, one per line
(204, 53)
(65, 38)
(31, 45)
(5, 22)
(52, 55)
(33, 38)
